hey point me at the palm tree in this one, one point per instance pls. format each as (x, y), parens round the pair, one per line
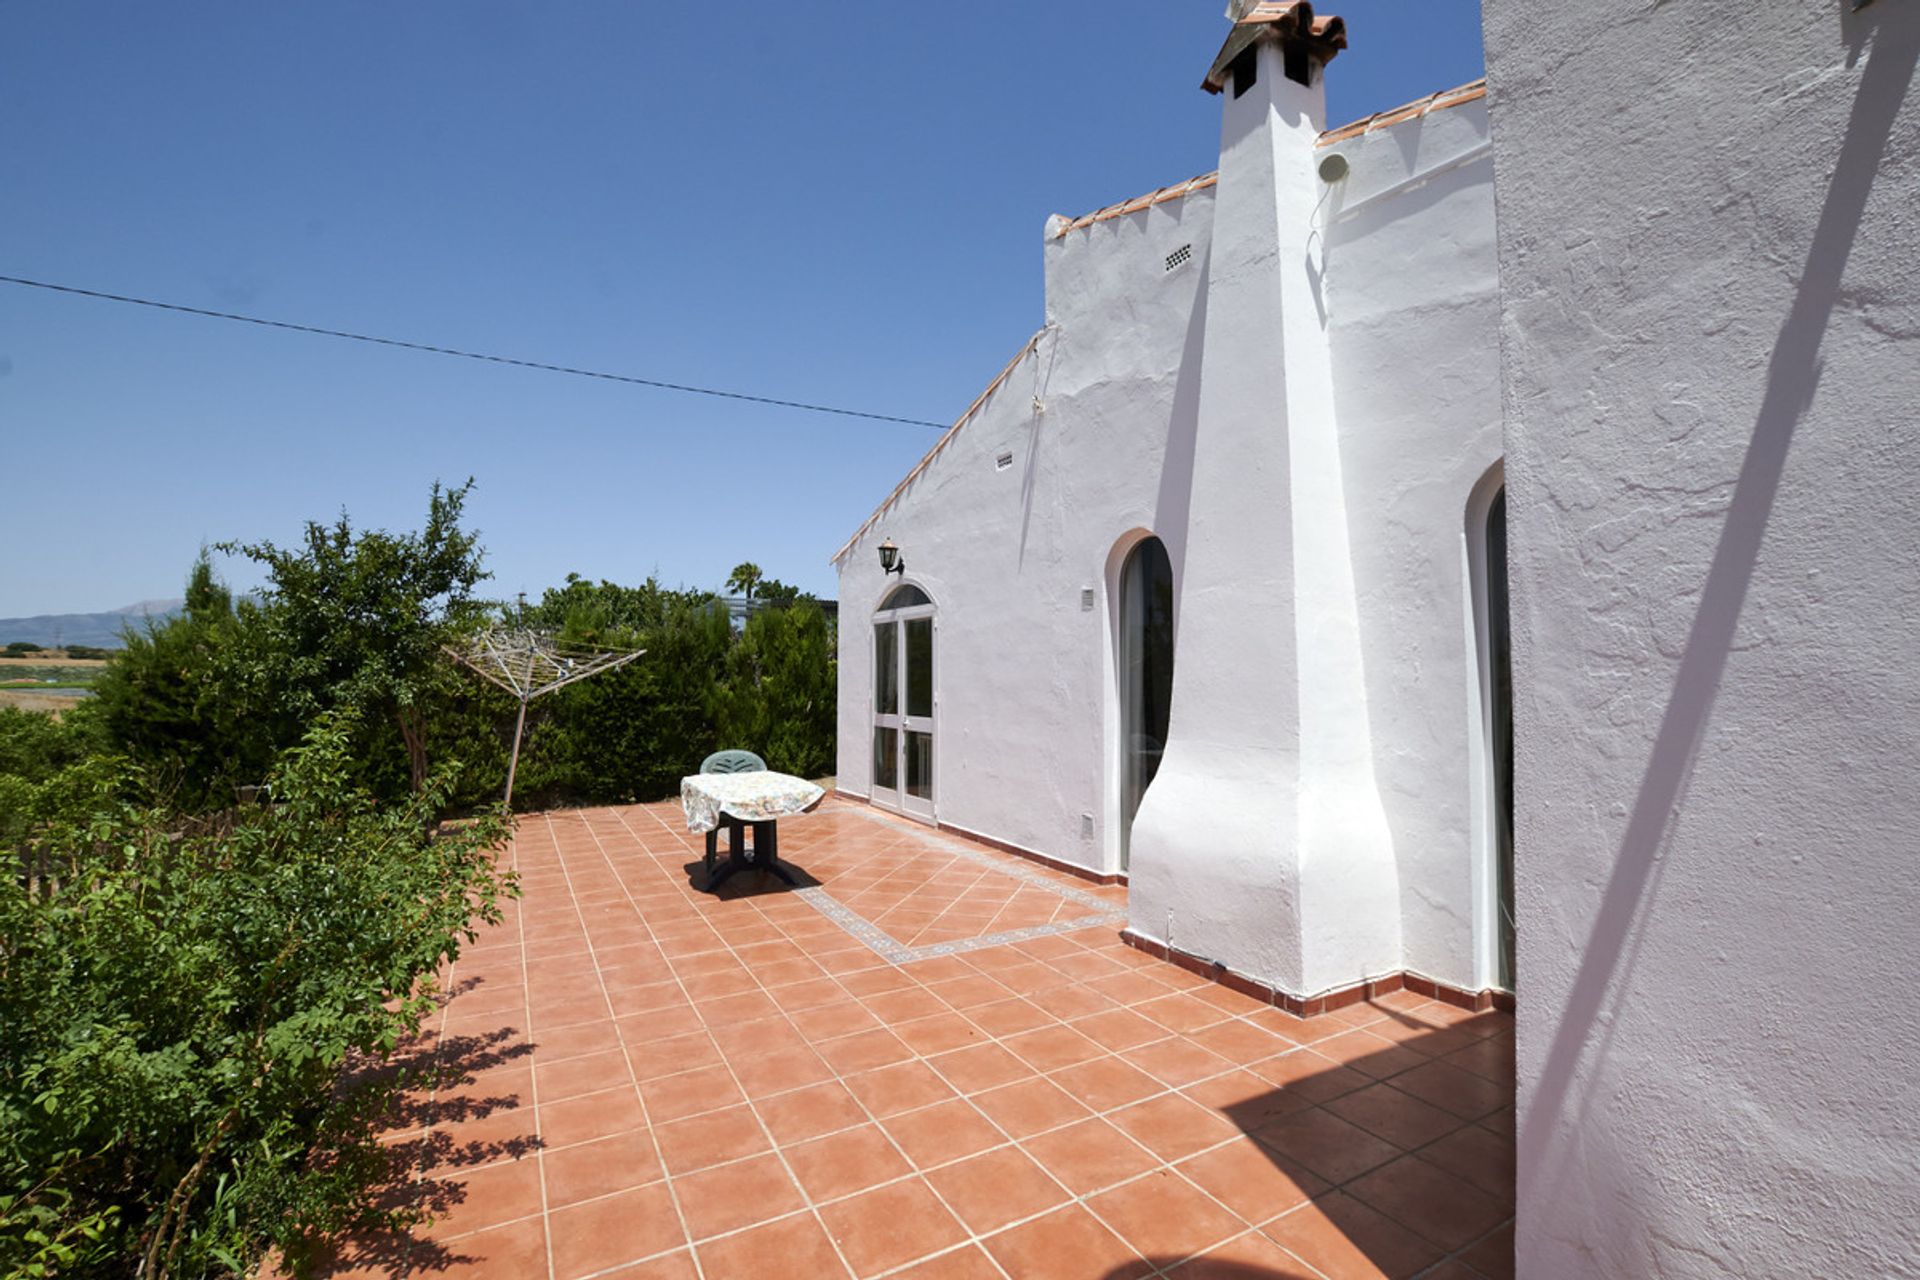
(744, 578)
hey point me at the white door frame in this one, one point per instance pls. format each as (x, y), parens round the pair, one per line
(897, 797)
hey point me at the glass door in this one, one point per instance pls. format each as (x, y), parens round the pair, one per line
(903, 703)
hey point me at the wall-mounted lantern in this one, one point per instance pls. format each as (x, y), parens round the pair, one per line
(890, 561)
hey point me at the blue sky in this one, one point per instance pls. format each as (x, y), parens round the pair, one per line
(833, 203)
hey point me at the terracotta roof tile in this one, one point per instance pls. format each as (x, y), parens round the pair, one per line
(1063, 224)
(1287, 20)
(1471, 92)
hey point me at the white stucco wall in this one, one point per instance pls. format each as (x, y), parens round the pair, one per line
(1021, 674)
(1306, 404)
(1413, 311)
(1711, 334)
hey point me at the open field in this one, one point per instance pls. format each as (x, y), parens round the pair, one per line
(31, 700)
(29, 682)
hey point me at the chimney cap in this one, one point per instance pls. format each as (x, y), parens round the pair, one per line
(1288, 21)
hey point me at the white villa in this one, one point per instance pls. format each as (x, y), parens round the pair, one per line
(1209, 590)
(1197, 592)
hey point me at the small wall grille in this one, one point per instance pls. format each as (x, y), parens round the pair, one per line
(1004, 461)
(1179, 256)
(1086, 598)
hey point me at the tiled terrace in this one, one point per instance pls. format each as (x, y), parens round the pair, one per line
(936, 1061)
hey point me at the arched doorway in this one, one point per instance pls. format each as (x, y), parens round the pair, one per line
(903, 702)
(1145, 666)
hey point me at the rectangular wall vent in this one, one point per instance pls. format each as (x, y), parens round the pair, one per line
(1086, 826)
(1004, 461)
(1086, 598)
(1179, 256)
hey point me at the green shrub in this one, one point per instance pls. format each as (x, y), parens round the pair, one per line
(21, 648)
(179, 999)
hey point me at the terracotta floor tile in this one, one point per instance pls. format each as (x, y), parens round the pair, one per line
(905, 1086)
(777, 1072)
(1070, 1000)
(1368, 1054)
(1326, 1145)
(1345, 1240)
(673, 1266)
(941, 1133)
(890, 1226)
(1492, 1256)
(1482, 1157)
(1178, 1061)
(843, 1018)
(1106, 1083)
(1400, 1118)
(1181, 1012)
(992, 1190)
(1306, 1074)
(590, 1116)
(966, 1263)
(589, 1073)
(792, 1246)
(1164, 1217)
(714, 1138)
(1246, 1257)
(1240, 1042)
(1491, 1057)
(568, 1042)
(809, 1112)
(601, 1167)
(980, 1067)
(1172, 1127)
(728, 1198)
(610, 1231)
(863, 1051)
(481, 1198)
(1009, 1017)
(1430, 1201)
(1244, 1176)
(743, 1007)
(670, 1056)
(1067, 1243)
(939, 1034)
(1030, 1107)
(671, 1098)
(760, 1038)
(1051, 1048)
(1090, 1156)
(1464, 1093)
(843, 1163)
(517, 1249)
(1119, 1029)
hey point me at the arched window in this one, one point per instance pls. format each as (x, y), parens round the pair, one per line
(1146, 674)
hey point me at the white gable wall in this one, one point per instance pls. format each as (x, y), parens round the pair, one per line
(1021, 678)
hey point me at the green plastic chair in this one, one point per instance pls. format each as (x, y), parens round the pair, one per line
(728, 762)
(733, 762)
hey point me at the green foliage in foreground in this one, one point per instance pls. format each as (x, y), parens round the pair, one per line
(190, 1008)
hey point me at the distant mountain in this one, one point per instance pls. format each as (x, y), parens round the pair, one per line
(100, 629)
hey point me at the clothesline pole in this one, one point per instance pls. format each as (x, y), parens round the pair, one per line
(513, 761)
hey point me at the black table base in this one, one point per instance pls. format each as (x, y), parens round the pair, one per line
(763, 856)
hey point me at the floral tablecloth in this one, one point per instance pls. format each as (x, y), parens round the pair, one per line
(750, 797)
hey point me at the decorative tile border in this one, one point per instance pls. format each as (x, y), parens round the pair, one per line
(886, 946)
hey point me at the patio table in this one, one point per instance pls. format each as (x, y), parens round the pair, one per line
(761, 797)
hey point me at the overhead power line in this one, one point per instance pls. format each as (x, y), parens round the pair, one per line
(541, 365)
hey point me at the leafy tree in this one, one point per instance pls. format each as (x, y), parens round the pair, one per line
(744, 578)
(175, 698)
(779, 696)
(181, 1001)
(359, 619)
(87, 652)
(21, 648)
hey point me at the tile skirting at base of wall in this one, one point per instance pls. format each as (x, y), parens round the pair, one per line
(1045, 860)
(1340, 998)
